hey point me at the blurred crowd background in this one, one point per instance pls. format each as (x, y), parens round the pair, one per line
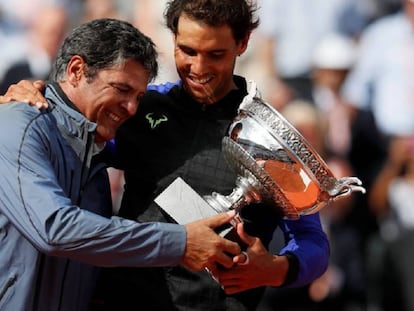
(342, 71)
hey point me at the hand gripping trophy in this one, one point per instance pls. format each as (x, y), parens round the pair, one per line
(275, 164)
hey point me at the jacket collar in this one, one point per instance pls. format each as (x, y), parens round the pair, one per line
(78, 131)
(57, 98)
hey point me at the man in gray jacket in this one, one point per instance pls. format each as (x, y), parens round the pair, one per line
(55, 223)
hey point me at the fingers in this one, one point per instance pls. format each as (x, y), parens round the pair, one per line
(210, 260)
(236, 279)
(225, 260)
(241, 259)
(220, 219)
(205, 248)
(27, 91)
(5, 99)
(40, 85)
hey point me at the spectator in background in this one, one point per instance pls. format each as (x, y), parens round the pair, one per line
(383, 82)
(147, 15)
(17, 17)
(391, 270)
(38, 51)
(93, 9)
(379, 91)
(392, 188)
(333, 58)
(290, 32)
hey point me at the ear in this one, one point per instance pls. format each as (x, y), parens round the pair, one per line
(75, 70)
(243, 44)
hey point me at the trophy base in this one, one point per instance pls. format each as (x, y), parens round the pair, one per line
(185, 205)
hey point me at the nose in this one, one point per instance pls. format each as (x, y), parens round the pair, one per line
(198, 64)
(131, 106)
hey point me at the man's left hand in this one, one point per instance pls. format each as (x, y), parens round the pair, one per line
(253, 268)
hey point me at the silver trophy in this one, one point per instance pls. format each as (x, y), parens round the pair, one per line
(275, 164)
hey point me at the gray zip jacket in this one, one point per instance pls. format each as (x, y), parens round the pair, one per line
(51, 233)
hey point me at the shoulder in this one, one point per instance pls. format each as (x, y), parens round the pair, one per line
(158, 94)
(21, 115)
(17, 114)
(19, 120)
(163, 88)
(160, 98)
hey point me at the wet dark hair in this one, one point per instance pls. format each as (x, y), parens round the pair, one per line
(239, 15)
(103, 43)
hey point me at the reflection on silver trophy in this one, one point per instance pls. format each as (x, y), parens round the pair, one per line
(275, 164)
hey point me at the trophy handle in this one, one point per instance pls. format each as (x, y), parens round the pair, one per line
(345, 186)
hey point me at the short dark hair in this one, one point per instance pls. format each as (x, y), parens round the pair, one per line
(239, 15)
(103, 43)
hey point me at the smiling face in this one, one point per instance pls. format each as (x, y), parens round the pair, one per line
(110, 97)
(205, 57)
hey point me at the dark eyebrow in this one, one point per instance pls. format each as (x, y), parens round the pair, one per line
(186, 47)
(121, 84)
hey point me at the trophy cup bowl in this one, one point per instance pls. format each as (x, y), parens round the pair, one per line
(275, 164)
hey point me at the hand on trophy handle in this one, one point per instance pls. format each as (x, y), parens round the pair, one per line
(240, 259)
(253, 267)
(214, 249)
